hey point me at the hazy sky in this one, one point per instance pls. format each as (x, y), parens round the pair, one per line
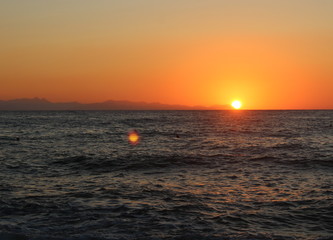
(269, 54)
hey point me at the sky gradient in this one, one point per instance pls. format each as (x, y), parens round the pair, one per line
(268, 54)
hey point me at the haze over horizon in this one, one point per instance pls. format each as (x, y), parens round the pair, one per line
(32, 104)
(269, 55)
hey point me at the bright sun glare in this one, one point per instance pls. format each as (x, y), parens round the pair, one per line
(236, 104)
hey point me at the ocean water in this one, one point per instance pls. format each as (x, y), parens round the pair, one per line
(193, 175)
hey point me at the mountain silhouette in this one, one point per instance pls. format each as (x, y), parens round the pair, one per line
(39, 104)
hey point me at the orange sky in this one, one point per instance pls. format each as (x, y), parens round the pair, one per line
(268, 54)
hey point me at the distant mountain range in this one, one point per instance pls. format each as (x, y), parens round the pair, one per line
(35, 104)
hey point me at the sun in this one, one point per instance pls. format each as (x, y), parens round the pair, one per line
(236, 104)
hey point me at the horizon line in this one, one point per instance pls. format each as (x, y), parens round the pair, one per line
(223, 107)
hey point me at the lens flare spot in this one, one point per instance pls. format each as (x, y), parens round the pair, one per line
(133, 137)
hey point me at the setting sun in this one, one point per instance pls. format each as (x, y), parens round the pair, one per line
(236, 104)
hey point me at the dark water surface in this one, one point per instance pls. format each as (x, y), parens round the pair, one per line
(194, 175)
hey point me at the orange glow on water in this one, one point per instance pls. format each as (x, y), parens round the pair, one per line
(133, 137)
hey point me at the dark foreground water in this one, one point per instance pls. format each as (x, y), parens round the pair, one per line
(194, 175)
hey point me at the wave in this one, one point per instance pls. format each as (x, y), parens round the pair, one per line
(131, 162)
(289, 146)
(184, 236)
(146, 160)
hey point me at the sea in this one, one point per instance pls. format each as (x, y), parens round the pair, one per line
(192, 175)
